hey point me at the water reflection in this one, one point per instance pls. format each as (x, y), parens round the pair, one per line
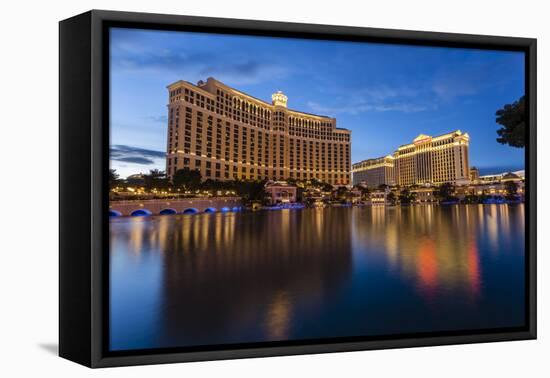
(314, 273)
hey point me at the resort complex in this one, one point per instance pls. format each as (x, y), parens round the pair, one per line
(226, 134)
(228, 151)
(427, 160)
(375, 172)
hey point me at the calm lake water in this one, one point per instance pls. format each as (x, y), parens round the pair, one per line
(191, 280)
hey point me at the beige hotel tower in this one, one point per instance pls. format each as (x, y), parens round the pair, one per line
(427, 160)
(227, 134)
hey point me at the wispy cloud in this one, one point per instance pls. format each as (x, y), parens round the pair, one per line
(372, 99)
(365, 107)
(136, 160)
(438, 89)
(452, 87)
(234, 68)
(134, 155)
(161, 119)
(384, 92)
(468, 80)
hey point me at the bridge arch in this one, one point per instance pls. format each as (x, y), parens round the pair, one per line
(140, 213)
(190, 210)
(225, 209)
(236, 208)
(210, 210)
(168, 211)
(114, 213)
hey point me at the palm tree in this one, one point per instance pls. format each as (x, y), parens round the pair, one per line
(187, 179)
(114, 178)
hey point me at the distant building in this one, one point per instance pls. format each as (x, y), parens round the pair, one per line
(474, 174)
(378, 197)
(280, 192)
(227, 134)
(496, 185)
(135, 179)
(426, 161)
(510, 176)
(374, 172)
(434, 160)
(424, 194)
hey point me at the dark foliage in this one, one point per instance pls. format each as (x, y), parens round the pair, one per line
(445, 192)
(512, 119)
(406, 197)
(156, 179)
(187, 179)
(114, 178)
(511, 190)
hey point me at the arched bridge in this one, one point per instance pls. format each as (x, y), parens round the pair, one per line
(174, 206)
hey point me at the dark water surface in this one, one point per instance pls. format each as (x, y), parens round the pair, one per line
(189, 280)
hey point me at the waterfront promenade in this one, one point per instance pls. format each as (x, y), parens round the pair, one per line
(174, 206)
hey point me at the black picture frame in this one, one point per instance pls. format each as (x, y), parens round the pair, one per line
(84, 163)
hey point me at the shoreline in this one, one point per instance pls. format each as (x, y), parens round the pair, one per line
(244, 209)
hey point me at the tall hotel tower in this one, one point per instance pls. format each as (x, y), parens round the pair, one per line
(228, 135)
(434, 160)
(427, 160)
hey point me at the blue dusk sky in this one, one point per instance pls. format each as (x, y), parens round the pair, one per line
(386, 94)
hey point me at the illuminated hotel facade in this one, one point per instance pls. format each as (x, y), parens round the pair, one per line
(227, 134)
(427, 160)
(375, 172)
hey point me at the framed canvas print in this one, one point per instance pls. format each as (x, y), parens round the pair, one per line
(234, 188)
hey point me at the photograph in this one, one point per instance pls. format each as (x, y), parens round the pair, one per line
(236, 189)
(269, 190)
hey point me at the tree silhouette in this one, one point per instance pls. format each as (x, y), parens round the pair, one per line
(511, 190)
(406, 197)
(187, 179)
(391, 198)
(512, 119)
(156, 179)
(114, 178)
(445, 192)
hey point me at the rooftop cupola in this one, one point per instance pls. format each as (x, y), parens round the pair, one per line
(279, 99)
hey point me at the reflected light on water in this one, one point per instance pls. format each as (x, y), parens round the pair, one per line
(427, 266)
(474, 274)
(278, 317)
(314, 273)
(492, 226)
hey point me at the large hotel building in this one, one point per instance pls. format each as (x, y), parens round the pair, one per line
(375, 172)
(427, 160)
(227, 134)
